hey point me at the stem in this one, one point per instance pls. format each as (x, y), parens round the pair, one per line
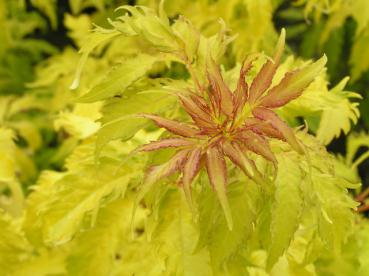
(363, 195)
(193, 77)
(362, 208)
(361, 159)
(182, 56)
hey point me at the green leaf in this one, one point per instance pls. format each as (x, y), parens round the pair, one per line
(95, 251)
(326, 196)
(341, 109)
(13, 246)
(49, 8)
(118, 114)
(41, 192)
(286, 207)
(44, 264)
(323, 104)
(354, 142)
(121, 77)
(95, 39)
(244, 200)
(336, 218)
(359, 56)
(74, 198)
(175, 237)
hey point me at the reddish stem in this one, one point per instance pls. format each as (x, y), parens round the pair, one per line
(362, 208)
(363, 195)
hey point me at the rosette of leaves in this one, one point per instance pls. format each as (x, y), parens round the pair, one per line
(229, 124)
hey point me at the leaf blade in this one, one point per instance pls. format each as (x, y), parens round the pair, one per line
(217, 173)
(293, 84)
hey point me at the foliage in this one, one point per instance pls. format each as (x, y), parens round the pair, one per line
(171, 144)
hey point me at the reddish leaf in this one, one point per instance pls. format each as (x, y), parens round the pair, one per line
(175, 127)
(241, 92)
(200, 116)
(217, 173)
(261, 127)
(155, 173)
(166, 143)
(258, 145)
(200, 101)
(191, 169)
(235, 154)
(264, 78)
(269, 116)
(224, 96)
(293, 84)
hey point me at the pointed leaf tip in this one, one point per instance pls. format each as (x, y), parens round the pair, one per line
(222, 94)
(276, 122)
(293, 84)
(156, 173)
(165, 143)
(264, 78)
(175, 127)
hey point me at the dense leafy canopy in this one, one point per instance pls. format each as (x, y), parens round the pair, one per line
(179, 140)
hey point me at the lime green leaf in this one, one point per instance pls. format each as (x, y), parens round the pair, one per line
(317, 100)
(341, 109)
(119, 116)
(49, 8)
(44, 264)
(286, 207)
(92, 41)
(244, 199)
(95, 252)
(81, 122)
(120, 78)
(359, 56)
(13, 246)
(7, 149)
(354, 142)
(77, 195)
(175, 237)
(41, 192)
